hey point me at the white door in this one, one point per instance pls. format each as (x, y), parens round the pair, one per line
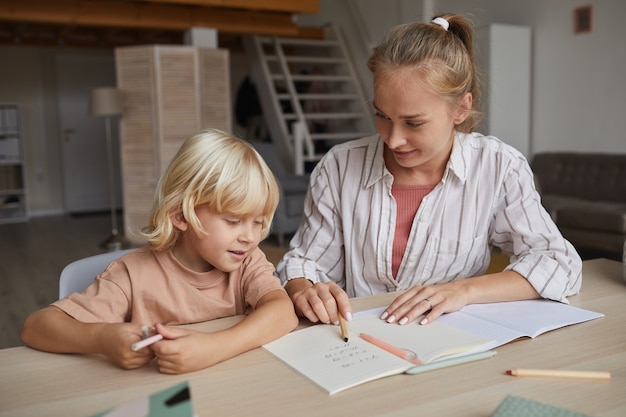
(84, 151)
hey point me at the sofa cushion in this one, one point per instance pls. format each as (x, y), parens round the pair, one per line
(594, 215)
(592, 176)
(594, 240)
(553, 203)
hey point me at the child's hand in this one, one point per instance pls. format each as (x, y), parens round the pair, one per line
(183, 350)
(116, 340)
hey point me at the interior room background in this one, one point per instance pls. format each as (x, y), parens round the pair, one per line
(577, 91)
(577, 84)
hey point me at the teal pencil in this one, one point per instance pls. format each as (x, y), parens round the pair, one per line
(450, 362)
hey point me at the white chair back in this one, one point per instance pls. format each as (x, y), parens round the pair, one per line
(77, 275)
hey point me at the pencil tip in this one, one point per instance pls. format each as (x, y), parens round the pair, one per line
(345, 339)
(508, 372)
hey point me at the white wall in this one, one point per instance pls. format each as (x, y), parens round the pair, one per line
(27, 78)
(578, 86)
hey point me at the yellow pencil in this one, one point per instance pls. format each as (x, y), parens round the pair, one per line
(549, 373)
(344, 328)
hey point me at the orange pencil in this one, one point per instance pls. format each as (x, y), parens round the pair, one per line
(548, 373)
(402, 353)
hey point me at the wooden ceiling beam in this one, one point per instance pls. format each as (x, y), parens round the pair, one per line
(151, 15)
(289, 6)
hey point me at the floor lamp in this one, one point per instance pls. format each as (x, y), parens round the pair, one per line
(106, 101)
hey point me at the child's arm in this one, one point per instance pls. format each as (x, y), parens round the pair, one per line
(185, 350)
(52, 330)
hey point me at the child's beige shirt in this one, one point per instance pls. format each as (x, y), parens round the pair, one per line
(148, 287)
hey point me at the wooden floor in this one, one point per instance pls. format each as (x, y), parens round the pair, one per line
(32, 255)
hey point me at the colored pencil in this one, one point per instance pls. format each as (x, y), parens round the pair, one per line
(344, 328)
(402, 353)
(552, 373)
(146, 342)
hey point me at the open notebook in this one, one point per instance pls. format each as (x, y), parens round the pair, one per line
(320, 354)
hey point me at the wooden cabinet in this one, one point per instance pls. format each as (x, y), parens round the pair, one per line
(12, 184)
(168, 93)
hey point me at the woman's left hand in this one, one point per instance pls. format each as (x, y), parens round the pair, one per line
(430, 301)
(434, 300)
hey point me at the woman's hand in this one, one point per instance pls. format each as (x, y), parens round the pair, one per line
(434, 300)
(430, 301)
(319, 302)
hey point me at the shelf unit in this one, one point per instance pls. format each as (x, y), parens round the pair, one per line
(12, 184)
(169, 93)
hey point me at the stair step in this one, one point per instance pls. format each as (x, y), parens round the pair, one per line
(292, 73)
(315, 116)
(345, 115)
(339, 136)
(266, 40)
(320, 96)
(309, 77)
(317, 60)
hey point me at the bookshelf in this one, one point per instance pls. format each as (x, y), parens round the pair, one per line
(12, 184)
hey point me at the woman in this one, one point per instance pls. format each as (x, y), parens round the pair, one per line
(418, 207)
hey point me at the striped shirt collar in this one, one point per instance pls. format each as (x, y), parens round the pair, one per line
(376, 170)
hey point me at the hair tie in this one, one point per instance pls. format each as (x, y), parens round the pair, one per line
(441, 22)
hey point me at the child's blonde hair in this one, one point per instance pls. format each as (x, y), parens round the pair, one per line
(215, 169)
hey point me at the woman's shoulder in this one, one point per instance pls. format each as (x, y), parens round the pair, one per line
(358, 152)
(488, 143)
(363, 143)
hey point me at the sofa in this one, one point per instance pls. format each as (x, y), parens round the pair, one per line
(585, 193)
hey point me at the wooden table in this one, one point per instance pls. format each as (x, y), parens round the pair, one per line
(34, 383)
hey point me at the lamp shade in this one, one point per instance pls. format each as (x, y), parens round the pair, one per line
(105, 101)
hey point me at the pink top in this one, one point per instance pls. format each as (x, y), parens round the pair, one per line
(408, 199)
(149, 287)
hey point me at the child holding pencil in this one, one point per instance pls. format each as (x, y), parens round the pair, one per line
(213, 206)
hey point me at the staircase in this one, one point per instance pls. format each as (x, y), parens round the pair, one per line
(310, 95)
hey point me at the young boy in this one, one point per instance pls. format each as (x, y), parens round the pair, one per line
(213, 206)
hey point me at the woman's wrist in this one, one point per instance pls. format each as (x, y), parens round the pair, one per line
(296, 285)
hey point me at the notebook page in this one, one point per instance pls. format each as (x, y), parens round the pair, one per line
(319, 353)
(429, 342)
(530, 317)
(492, 331)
